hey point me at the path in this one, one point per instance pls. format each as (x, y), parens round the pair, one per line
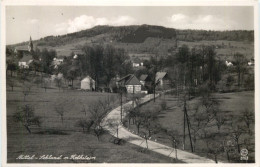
(112, 123)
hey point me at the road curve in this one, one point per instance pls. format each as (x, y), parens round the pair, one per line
(112, 123)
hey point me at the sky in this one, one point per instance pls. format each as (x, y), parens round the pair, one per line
(40, 21)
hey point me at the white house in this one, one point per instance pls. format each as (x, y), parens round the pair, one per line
(87, 83)
(25, 61)
(229, 64)
(251, 62)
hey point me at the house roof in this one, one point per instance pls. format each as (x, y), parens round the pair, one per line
(25, 47)
(143, 77)
(87, 78)
(160, 75)
(26, 58)
(137, 60)
(129, 79)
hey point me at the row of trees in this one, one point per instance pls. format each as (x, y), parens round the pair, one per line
(100, 63)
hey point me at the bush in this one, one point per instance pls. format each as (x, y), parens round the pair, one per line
(163, 105)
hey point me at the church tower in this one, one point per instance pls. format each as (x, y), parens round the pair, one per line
(30, 45)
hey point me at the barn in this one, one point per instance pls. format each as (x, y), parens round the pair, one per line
(87, 83)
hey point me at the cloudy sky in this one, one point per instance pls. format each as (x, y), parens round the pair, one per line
(25, 21)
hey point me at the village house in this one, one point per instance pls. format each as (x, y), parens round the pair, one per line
(137, 62)
(162, 80)
(87, 83)
(251, 62)
(56, 62)
(25, 62)
(131, 83)
(27, 58)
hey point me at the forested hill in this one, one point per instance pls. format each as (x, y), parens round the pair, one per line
(138, 34)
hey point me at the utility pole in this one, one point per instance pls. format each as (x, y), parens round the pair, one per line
(184, 122)
(188, 124)
(175, 147)
(155, 72)
(121, 104)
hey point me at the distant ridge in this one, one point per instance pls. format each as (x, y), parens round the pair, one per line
(139, 33)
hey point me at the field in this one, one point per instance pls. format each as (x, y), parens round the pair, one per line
(56, 138)
(171, 119)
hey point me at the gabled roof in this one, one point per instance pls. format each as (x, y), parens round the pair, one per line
(26, 58)
(160, 75)
(145, 77)
(129, 79)
(87, 78)
(137, 60)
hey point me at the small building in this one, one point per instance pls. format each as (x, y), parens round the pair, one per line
(25, 61)
(228, 63)
(162, 80)
(145, 79)
(251, 62)
(131, 83)
(87, 83)
(137, 62)
(56, 62)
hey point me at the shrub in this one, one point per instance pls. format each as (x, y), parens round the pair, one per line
(163, 105)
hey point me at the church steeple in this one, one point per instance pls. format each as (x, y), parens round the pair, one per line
(30, 46)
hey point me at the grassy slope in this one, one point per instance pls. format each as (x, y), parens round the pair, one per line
(172, 118)
(72, 140)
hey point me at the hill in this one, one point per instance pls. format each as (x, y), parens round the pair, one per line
(137, 39)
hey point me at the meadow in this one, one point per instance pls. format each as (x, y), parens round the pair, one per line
(56, 138)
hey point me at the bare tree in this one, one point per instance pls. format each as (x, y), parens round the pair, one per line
(220, 120)
(145, 135)
(215, 147)
(25, 92)
(25, 115)
(174, 138)
(236, 133)
(97, 114)
(130, 114)
(45, 84)
(248, 118)
(11, 83)
(58, 82)
(60, 111)
(84, 110)
(84, 124)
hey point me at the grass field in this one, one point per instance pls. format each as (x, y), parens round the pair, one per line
(54, 138)
(172, 119)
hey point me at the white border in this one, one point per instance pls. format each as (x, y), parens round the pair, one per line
(5, 3)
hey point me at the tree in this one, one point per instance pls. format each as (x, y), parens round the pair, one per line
(240, 66)
(215, 147)
(12, 65)
(174, 138)
(59, 108)
(46, 60)
(25, 92)
(25, 115)
(248, 118)
(84, 124)
(236, 133)
(11, 83)
(97, 114)
(220, 120)
(58, 82)
(45, 84)
(129, 109)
